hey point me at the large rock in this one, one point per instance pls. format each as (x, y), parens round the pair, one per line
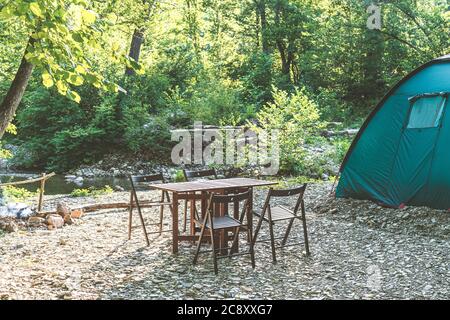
(55, 221)
(4, 212)
(62, 209)
(36, 221)
(16, 210)
(9, 226)
(77, 213)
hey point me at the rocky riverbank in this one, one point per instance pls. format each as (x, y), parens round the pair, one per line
(359, 251)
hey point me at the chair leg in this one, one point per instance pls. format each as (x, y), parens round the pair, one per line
(185, 215)
(141, 217)
(252, 251)
(161, 215)
(202, 234)
(213, 244)
(272, 239)
(305, 231)
(130, 216)
(234, 243)
(258, 227)
(288, 231)
(213, 240)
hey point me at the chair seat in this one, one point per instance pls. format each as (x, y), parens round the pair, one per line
(222, 223)
(279, 213)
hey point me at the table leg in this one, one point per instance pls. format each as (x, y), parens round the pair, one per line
(250, 214)
(175, 223)
(192, 214)
(223, 234)
(204, 204)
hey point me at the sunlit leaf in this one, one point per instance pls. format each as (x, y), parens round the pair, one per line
(36, 9)
(47, 80)
(89, 16)
(72, 95)
(76, 80)
(62, 87)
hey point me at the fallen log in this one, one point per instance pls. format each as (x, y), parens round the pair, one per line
(105, 206)
(348, 132)
(17, 183)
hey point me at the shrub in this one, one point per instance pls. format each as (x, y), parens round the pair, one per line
(78, 193)
(146, 133)
(15, 194)
(178, 176)
(92, 191)
(297, 118)
(341, 147)
(212, 101)
(6, 154)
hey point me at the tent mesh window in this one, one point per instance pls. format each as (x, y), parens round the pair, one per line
(426, 112)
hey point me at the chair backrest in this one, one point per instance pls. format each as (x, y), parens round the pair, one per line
(284, 193)
(144, 181)
(287, 192)
(192, 175)
(216, 200)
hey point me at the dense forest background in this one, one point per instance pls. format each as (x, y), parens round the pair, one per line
(292, 64)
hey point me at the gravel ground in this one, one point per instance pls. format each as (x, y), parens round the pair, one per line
(359, 251)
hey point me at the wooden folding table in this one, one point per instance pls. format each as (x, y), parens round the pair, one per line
(190, 190)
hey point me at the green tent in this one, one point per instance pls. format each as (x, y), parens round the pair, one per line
(401, 155)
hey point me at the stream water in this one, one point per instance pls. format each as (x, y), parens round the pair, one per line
(59, 185)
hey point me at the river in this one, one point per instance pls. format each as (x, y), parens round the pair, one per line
(59, 185)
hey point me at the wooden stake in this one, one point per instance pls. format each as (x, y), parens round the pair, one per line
(41, 193)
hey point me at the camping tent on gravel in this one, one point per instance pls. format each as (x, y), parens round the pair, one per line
(401, 155)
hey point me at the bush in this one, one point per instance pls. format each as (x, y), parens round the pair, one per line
(210, 101)
(147, 134)
(256, 77)
(178, 176)
(297, 118)
(341, 146)
(15, 194)
(91, 192)
(6, 154)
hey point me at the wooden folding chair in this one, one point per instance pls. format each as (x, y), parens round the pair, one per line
(145, 182)
(280, 213)
(213, 223)
(191, 176)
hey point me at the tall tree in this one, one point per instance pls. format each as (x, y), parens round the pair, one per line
(60, 32)
(138, 38)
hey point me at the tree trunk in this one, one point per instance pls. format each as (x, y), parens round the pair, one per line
(135, 48)
(286, 50)
(15, 93)
(261, 8)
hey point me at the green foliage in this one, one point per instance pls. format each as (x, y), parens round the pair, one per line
(15, 194)
(178, 176)
(297, 118)
(341, 146)
(211, 101)
(286, 64)
(6, 154)
(60, 135)
(61, 33)
(256, 77)
(92, 192)
(146, 133)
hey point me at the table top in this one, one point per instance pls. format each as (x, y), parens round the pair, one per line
(210, 185)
